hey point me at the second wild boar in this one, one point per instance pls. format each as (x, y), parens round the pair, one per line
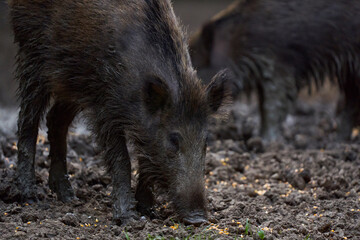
(279, 46)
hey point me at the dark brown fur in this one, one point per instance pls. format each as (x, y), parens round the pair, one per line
(125, 64)
(279, 46)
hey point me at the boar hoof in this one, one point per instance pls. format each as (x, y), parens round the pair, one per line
(344, 133)
(62, 188)
(147, 211)
(195, 219)
(28, 195)
(125, 219)
(27, 190)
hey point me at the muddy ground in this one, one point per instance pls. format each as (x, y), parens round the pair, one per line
(306, 186)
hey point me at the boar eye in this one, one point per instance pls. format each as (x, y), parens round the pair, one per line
(174, 139)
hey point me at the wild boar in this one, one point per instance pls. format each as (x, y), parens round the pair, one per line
(126, 65)
(278, 46)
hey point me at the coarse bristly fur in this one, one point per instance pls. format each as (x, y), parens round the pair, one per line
(125, 64)
(279, 46)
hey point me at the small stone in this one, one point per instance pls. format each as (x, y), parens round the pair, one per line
(245, 156)
(255, 144)
(306, 175)
(301, 141)
(19, 234)
(303, 230)
(136, 226)
(213, 220)
(322, 195)
(105, 180)
(275, 176)
(97, 187)
(15, 210)
(325, 227)
(298, 182)
(350, 155)
(335, 194)
(328, 184)
(74, 167)
(237, 164)
(29, 217)
(251, 193)
(70, 219)
(8, 149)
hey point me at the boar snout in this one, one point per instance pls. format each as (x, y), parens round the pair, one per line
(191, 204)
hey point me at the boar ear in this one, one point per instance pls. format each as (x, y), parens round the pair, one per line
(218, 90)
(155, 94)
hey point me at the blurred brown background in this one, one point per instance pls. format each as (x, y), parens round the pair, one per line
(192, 14)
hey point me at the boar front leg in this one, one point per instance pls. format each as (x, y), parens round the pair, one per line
(349, 107)
(59, 119)
(118, 162)
(31, 110)
(277, 93)
(34, 100)
(144, 195)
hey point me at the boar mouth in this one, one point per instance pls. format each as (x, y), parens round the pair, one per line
(191, 207)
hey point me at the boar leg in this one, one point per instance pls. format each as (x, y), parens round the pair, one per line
(58, 120)
(144, 196)
(118, 162)
(350, 111)
(277, 94)
(34, 100)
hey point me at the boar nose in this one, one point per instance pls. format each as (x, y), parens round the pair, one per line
(195, 218)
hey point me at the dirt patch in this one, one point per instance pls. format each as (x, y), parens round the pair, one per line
(307, 185)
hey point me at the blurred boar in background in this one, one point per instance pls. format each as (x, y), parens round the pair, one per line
(279, 46)
(126, 65)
